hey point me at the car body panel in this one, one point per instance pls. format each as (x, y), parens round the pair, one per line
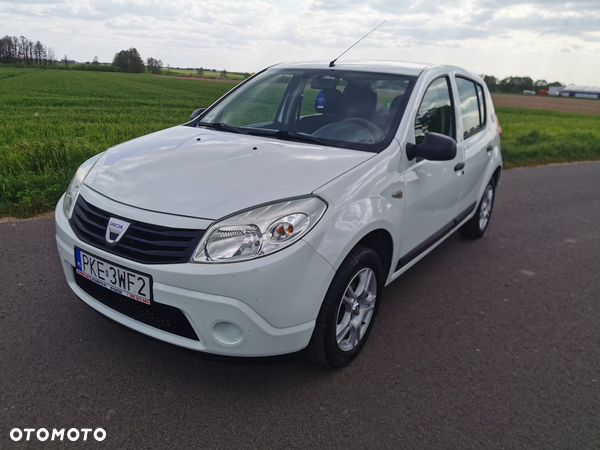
(474, 149)
(361, 202)
(210, 174)
(432, 188)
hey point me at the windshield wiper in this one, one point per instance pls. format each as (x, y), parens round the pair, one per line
(279, 134)
(219, 126)
(287, 135)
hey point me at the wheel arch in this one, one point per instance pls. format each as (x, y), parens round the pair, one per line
(336, 240)
(496, 175)
(381, 242)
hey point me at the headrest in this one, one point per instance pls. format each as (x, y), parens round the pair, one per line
(359, 102)
(395, 104)
(329, 101)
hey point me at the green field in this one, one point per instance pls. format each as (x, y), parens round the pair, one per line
(179, 71)
(535, 136)
(207, 73)
(9, 72)
(51, 121)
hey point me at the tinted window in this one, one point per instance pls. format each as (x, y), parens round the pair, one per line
(472, 105)
(435, 113)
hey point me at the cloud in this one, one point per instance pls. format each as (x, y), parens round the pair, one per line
(250, 34)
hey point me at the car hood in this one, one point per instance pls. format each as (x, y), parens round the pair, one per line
(209, 174)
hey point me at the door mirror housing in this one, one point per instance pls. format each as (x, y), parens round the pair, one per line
(435, 147)
(197, 113)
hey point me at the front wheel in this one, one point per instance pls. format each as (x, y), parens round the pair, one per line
(348, 310)
(477, 225)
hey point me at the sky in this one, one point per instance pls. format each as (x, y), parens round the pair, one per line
(543, 39)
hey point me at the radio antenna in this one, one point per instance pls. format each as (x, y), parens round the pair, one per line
(332, 63)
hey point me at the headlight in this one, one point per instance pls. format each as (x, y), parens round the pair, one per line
(75, 184)
(259, 231)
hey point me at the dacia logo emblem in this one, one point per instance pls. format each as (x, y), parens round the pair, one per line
(115, 230)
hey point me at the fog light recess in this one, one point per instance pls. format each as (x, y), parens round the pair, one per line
(227, 333)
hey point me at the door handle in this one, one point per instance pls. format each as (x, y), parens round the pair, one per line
(489, 148)
(459, 166)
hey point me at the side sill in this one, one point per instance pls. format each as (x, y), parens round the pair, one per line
(435, 237)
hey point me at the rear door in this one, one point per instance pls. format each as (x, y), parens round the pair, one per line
(475, 143)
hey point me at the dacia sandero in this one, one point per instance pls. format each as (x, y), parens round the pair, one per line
(270, 222)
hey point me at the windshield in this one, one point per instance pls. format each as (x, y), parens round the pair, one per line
(357, 110)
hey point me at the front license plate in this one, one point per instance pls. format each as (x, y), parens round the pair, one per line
(121, 280)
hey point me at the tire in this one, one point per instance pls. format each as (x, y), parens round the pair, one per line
(476, 226)
(348, 311)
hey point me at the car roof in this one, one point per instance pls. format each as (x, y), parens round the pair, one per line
(396, 67)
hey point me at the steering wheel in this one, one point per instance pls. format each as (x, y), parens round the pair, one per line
(373, 129)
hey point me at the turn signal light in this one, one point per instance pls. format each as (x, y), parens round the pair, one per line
(282, 231)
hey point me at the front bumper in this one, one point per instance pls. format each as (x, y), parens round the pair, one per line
(273, 300)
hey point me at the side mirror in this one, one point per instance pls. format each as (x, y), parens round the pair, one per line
(197, 113)
(435, 147)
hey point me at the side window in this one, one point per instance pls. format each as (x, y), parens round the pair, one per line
(472, 105)
(435, 113)
(481, 98)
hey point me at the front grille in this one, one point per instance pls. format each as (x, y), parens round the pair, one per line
(157, 315)
(142, 242)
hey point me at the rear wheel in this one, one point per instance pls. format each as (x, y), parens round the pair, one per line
(477, 225)
(348, 311)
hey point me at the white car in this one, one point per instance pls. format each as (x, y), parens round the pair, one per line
(271, 222)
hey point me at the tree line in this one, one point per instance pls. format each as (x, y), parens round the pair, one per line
(516, 84)
(20, 49)
(21, 52)
(24, 52)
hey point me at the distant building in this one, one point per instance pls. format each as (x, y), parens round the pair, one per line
(555, 90)
(581, 91)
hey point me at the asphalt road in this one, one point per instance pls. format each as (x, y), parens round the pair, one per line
(484, 344)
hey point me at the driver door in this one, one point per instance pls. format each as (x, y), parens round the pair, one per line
(432, 188)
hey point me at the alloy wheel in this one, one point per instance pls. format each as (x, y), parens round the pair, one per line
(356, 309)
(486, 207)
